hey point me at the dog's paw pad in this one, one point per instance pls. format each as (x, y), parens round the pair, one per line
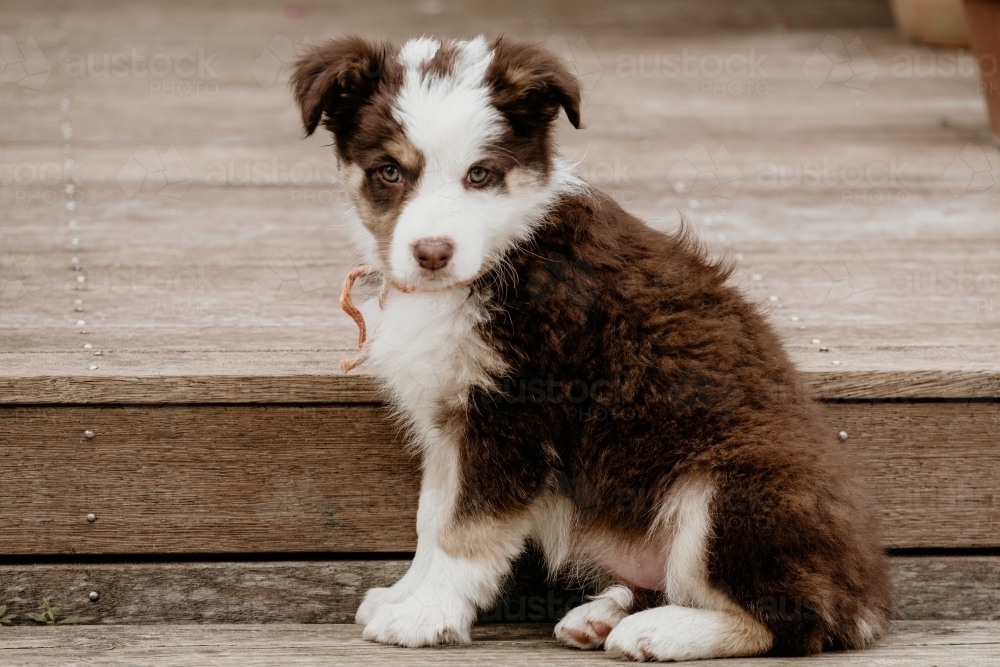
(587, 626)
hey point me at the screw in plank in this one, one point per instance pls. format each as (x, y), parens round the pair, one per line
(835, 362)
(87, 346)
(94, 596)
(88, 434)
(98, 353)
(91, 518)
(824, 349)
(93, 367)
(842, 436)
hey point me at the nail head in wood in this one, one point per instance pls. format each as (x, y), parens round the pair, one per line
(91, 518)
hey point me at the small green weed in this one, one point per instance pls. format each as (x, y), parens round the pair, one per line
(49, 615)
(5, 618)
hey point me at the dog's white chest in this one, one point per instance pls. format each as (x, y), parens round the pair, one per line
(428, 352)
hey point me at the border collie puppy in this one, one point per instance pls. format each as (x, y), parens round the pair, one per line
(575, 379)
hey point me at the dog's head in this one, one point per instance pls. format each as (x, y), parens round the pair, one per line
(444, 147)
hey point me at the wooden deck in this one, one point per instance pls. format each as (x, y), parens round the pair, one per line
(171, 253)
(911, 643)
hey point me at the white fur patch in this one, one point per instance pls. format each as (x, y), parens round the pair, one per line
(700, 622)
(438, 598)
(424, 345)
(451, 121)
(686, 520)
(583, 622)
(682, 633)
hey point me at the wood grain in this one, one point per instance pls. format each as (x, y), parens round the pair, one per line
(228, 291)
(959, 588)
(946, 587)
(203, 479)
(918, 643)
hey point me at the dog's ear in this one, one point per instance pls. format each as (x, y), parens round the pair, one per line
(334, 80)
(529, 85)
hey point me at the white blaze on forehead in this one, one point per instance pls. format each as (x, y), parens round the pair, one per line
(448, 118)
(418, 51)
(447, 114)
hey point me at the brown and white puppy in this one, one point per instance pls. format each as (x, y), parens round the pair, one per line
(575, 379)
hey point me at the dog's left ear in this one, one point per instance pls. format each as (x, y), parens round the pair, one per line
(529, 85)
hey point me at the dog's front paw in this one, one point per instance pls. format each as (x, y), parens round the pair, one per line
(422, 619)
(374, 598)
(586, 626)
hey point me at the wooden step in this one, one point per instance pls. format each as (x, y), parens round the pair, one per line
(222, 428)
(329, 591)
(252, 478)
(920, 643)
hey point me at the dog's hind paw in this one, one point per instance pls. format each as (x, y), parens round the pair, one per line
(587, 626)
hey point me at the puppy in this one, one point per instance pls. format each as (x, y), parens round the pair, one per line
(577, 380)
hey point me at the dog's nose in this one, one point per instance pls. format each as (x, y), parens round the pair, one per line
(433, 254)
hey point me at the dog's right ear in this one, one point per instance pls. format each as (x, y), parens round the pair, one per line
(333, 81)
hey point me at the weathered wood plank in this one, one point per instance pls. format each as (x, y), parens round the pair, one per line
(946, 587)
(918, 643)
(276, 375)
(197, 479)
(238, 273)
(950, 588)
(205, 479)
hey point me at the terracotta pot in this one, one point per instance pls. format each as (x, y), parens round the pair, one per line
(938, 22)
(984, 23)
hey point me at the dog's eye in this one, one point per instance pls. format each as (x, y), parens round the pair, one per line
(478, 175)
(390, 173)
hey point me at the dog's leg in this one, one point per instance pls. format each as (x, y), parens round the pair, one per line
(428, 513)
(683, 633)
(587, 626)
(462, 562)
(462, 574)
(701, 621)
